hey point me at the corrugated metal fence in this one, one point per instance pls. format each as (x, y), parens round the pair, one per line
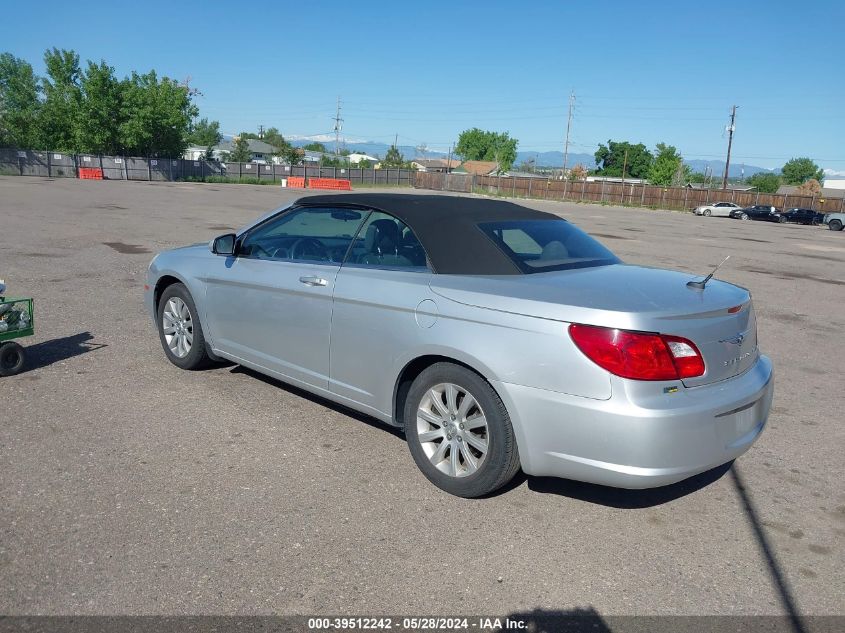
(61, 165)
(616, 193)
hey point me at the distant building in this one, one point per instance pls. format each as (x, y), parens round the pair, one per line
(830, 183)
(477, 168)
(731, 186)
(435, 164)
(356, 158)
(617, 180)
(827, 192)
(260, 151)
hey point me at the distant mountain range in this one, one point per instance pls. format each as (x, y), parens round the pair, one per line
(541, 159)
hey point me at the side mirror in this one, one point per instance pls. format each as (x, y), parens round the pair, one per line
(223, 244)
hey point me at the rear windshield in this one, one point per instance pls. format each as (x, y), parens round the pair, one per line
(542, 245)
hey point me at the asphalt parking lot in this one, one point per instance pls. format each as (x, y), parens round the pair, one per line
(131, 487)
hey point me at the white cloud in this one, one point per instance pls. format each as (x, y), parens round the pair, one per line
(834, 173)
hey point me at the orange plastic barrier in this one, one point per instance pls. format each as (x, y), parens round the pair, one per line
(330, 183)
(90, 173)
(296, 181)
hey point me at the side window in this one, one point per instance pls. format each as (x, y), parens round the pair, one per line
(385, 242)
(306, 234)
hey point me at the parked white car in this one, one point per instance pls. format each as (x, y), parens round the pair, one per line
(719, 209)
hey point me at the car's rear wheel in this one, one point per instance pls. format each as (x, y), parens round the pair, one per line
(835, 225)
(706, 212)
(459, 432)
(12, 358)
(180, 330)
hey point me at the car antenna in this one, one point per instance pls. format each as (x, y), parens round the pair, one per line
(700, 284)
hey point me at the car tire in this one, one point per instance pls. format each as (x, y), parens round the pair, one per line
(452, 459)
(12, 358)
(706, 212)
(744, 216)
(835, 225)
(781, 220)
(179, 329)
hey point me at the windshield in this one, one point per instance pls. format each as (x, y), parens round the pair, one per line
(544, 245)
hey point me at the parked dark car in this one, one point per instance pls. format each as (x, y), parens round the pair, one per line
(759, 212)
(804, 216)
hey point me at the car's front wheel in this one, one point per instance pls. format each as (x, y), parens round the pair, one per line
(180, 330)
(744, 216)
(459, 432)
(706, 212)
(835, 225)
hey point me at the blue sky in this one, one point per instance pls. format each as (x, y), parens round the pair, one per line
(644, 72)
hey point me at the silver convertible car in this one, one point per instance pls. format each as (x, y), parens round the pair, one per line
(498, 337)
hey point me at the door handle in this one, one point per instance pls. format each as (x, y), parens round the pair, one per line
(313, 281)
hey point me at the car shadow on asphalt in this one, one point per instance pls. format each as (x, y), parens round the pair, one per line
(329, 404)
(56, 350)
(620, 497)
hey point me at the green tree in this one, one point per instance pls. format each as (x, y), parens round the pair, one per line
(60, 113)
(19, 102)
(156, 115)
(315, 147)
(477, 144)
(393, 158)
(101, 96)
(764, 182)
(697, 176)
(800, 170)
(668, 167)
(205, 133)
(610, 159)
(240, 151)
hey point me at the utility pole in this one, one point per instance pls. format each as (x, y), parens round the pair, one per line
(338, 124)
(568, 126)
(260, 131)
(731, 129)
(449, 161)
(624, 166)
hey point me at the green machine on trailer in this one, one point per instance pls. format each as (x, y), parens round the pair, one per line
(17, 320)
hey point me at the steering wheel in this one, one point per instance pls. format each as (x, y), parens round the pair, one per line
(305, 246)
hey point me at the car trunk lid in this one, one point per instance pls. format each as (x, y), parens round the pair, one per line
(719, 319)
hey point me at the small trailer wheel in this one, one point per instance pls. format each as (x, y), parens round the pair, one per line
(12, 358)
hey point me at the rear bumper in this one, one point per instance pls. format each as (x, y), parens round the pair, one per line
(641, 437)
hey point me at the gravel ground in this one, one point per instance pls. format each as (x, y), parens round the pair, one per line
(131, 487)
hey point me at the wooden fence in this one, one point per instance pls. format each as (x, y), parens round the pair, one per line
(634, 194)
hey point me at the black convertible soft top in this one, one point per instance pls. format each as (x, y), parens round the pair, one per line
(446, 226)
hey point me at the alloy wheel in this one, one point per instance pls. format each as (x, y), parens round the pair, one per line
(177, 327)
(452, 430)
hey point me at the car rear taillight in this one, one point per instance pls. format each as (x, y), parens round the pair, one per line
(638, 355)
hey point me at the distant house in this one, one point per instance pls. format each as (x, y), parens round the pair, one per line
(830, 183)
(356, 158)
(827, 192)
(731, 186)
(525, 174)
(617, 180)
(477, 168)
(195, 152)
(260, 151)
(435, 164)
